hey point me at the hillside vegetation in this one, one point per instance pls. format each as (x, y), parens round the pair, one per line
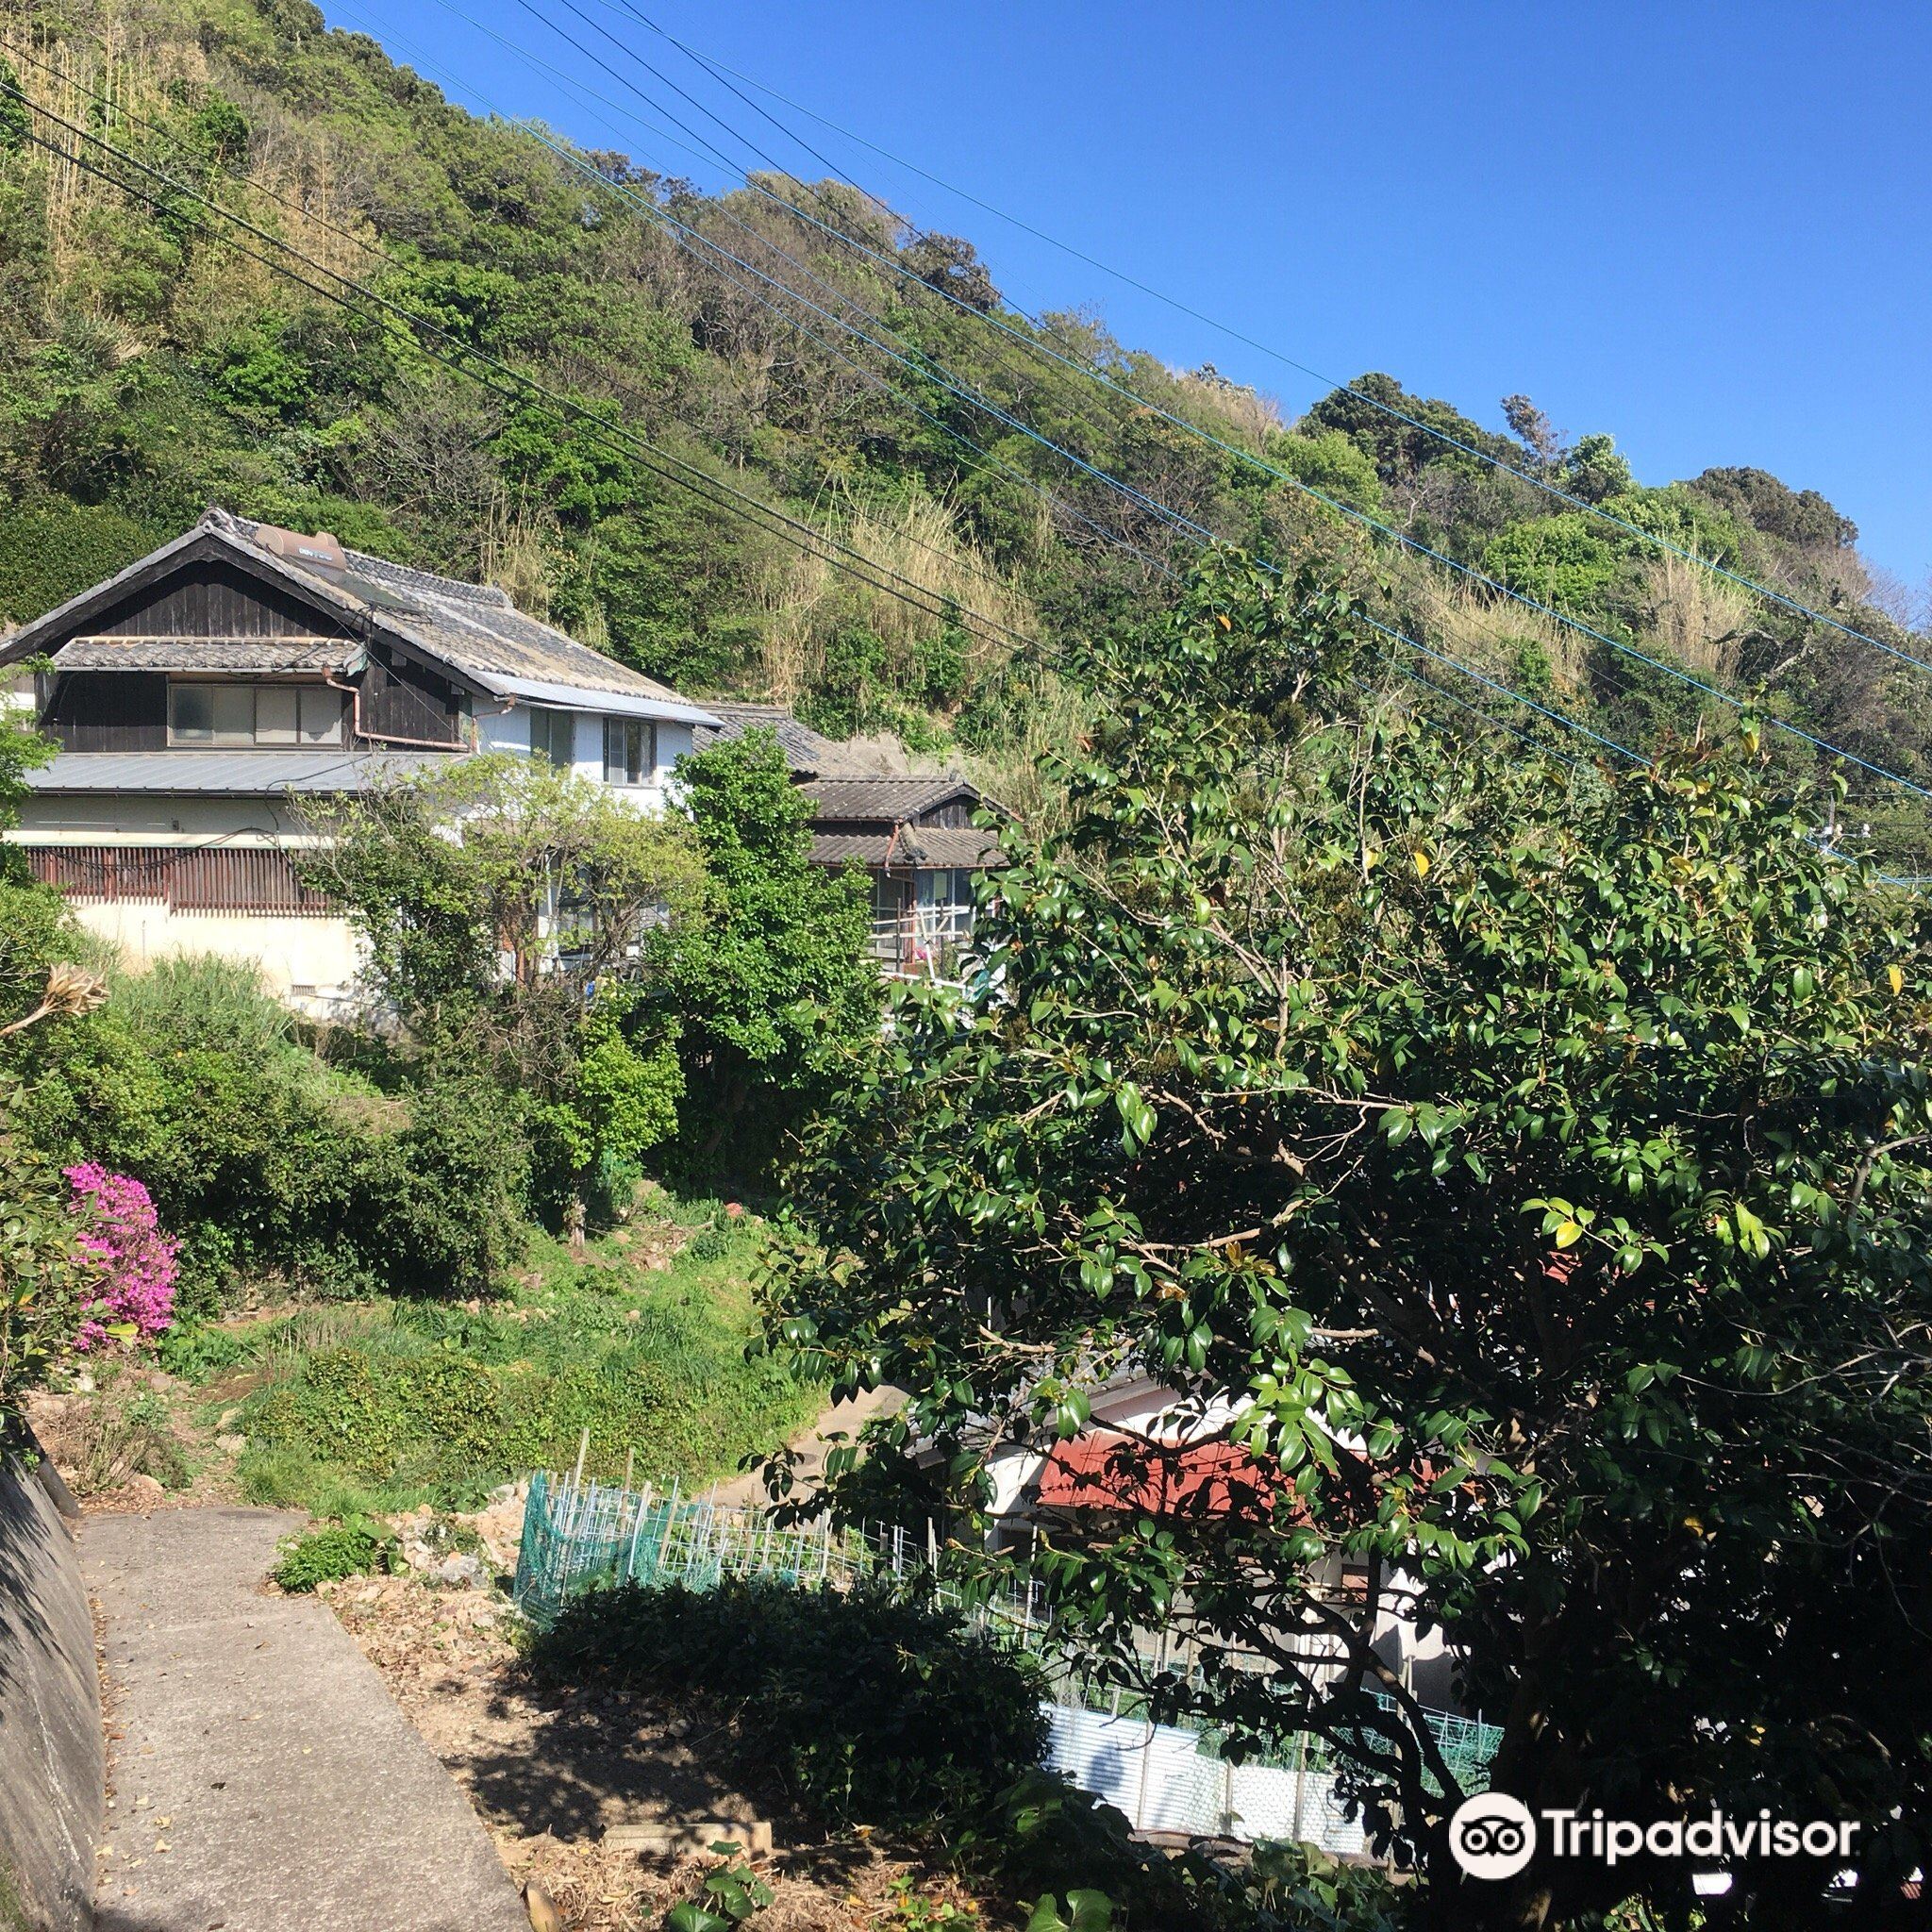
(148, 367)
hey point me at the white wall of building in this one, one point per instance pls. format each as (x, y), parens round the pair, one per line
(311, 961)
(511, 731)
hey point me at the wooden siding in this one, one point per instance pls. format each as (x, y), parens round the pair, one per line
(213, 599)
(187, 879)
(108, 710)
(402, 700)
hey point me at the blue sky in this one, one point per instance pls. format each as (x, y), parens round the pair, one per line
(1705, 228)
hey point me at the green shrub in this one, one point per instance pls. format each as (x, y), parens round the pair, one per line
(358, 1548)
(869, 1708)
(198, 1353)
(54, 550)
(265, 1161)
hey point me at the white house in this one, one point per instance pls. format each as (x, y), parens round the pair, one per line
(203, 693)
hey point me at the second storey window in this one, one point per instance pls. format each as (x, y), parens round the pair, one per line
(254, 714)
(630, 751)
(553, 735)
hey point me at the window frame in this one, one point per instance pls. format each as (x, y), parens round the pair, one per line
(251, 689)
(555, 723)
(626, 733)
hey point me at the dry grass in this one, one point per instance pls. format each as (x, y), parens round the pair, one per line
(515, 553)
(1056, 717)
(804, 602)
(289, 182)
(1491, 632)
(1699, 618)
(1235, 412)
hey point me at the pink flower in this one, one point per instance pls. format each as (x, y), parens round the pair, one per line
(136, 1261)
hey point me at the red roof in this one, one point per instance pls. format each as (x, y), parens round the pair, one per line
(1114, 1473)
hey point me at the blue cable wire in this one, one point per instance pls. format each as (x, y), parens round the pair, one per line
(924, 368)
(718, 70)
(935, 372)
(1179, 520)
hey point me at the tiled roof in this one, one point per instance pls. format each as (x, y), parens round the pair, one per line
(207, 654)
(472, 627)
(945, 846)
(907, 845)
(225, 774)
(843, 848)
(804, 750)
(888, 800)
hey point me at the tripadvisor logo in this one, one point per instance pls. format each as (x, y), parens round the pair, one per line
(1493, 1836)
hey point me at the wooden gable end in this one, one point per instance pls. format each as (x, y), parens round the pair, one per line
(210, 597)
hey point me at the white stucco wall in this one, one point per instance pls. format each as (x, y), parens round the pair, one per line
(310, 962)
(511, 731)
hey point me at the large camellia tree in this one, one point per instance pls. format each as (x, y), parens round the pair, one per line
(1521, 1168)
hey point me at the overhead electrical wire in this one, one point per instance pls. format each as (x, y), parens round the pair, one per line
(756, 509)
(691, 239)
(725, 75)
(1333, 504)
(599, 427)
(1187, 525)
(661, 463)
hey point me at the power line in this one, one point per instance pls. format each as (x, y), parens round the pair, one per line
(719, 72)
(689, 238)
(961, 558)
(686, 475)
(562, 405)
(176, 141)
(1333, 504)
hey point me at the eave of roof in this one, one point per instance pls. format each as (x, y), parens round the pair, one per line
(588, 698)
(309, 654)
(225, 773)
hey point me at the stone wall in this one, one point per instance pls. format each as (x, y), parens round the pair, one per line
(51, 1767)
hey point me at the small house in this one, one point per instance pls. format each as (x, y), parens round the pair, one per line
(915, 836)
(199, 696)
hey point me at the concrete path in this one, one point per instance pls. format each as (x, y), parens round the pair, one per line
(812, 1443)
(263, 1777)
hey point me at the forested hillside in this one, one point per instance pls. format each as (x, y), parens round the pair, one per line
(865, 382)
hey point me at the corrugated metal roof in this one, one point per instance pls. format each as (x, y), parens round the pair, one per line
(577, 697)
(208, 653)
(225, 774)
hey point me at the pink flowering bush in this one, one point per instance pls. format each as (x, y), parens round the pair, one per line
(132, 1261)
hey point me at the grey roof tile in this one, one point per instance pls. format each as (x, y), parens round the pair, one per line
(207, 654)
(886, 799)
(473, 628)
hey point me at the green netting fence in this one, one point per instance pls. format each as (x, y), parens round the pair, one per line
(582, 1535)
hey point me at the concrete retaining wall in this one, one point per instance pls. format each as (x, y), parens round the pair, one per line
(51, 1767)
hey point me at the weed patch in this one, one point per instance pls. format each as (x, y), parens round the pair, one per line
(357, 1548)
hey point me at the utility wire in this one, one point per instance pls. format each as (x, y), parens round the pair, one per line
(561, 405)
(959, 558)
(651, 456)
(691, 239)
(1333, 504)
(720, 71)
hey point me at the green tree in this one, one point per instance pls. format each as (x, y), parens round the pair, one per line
(1523, 1177)
(509, 910)
(773, 986)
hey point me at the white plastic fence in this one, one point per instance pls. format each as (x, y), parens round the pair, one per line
(1157, 1774)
